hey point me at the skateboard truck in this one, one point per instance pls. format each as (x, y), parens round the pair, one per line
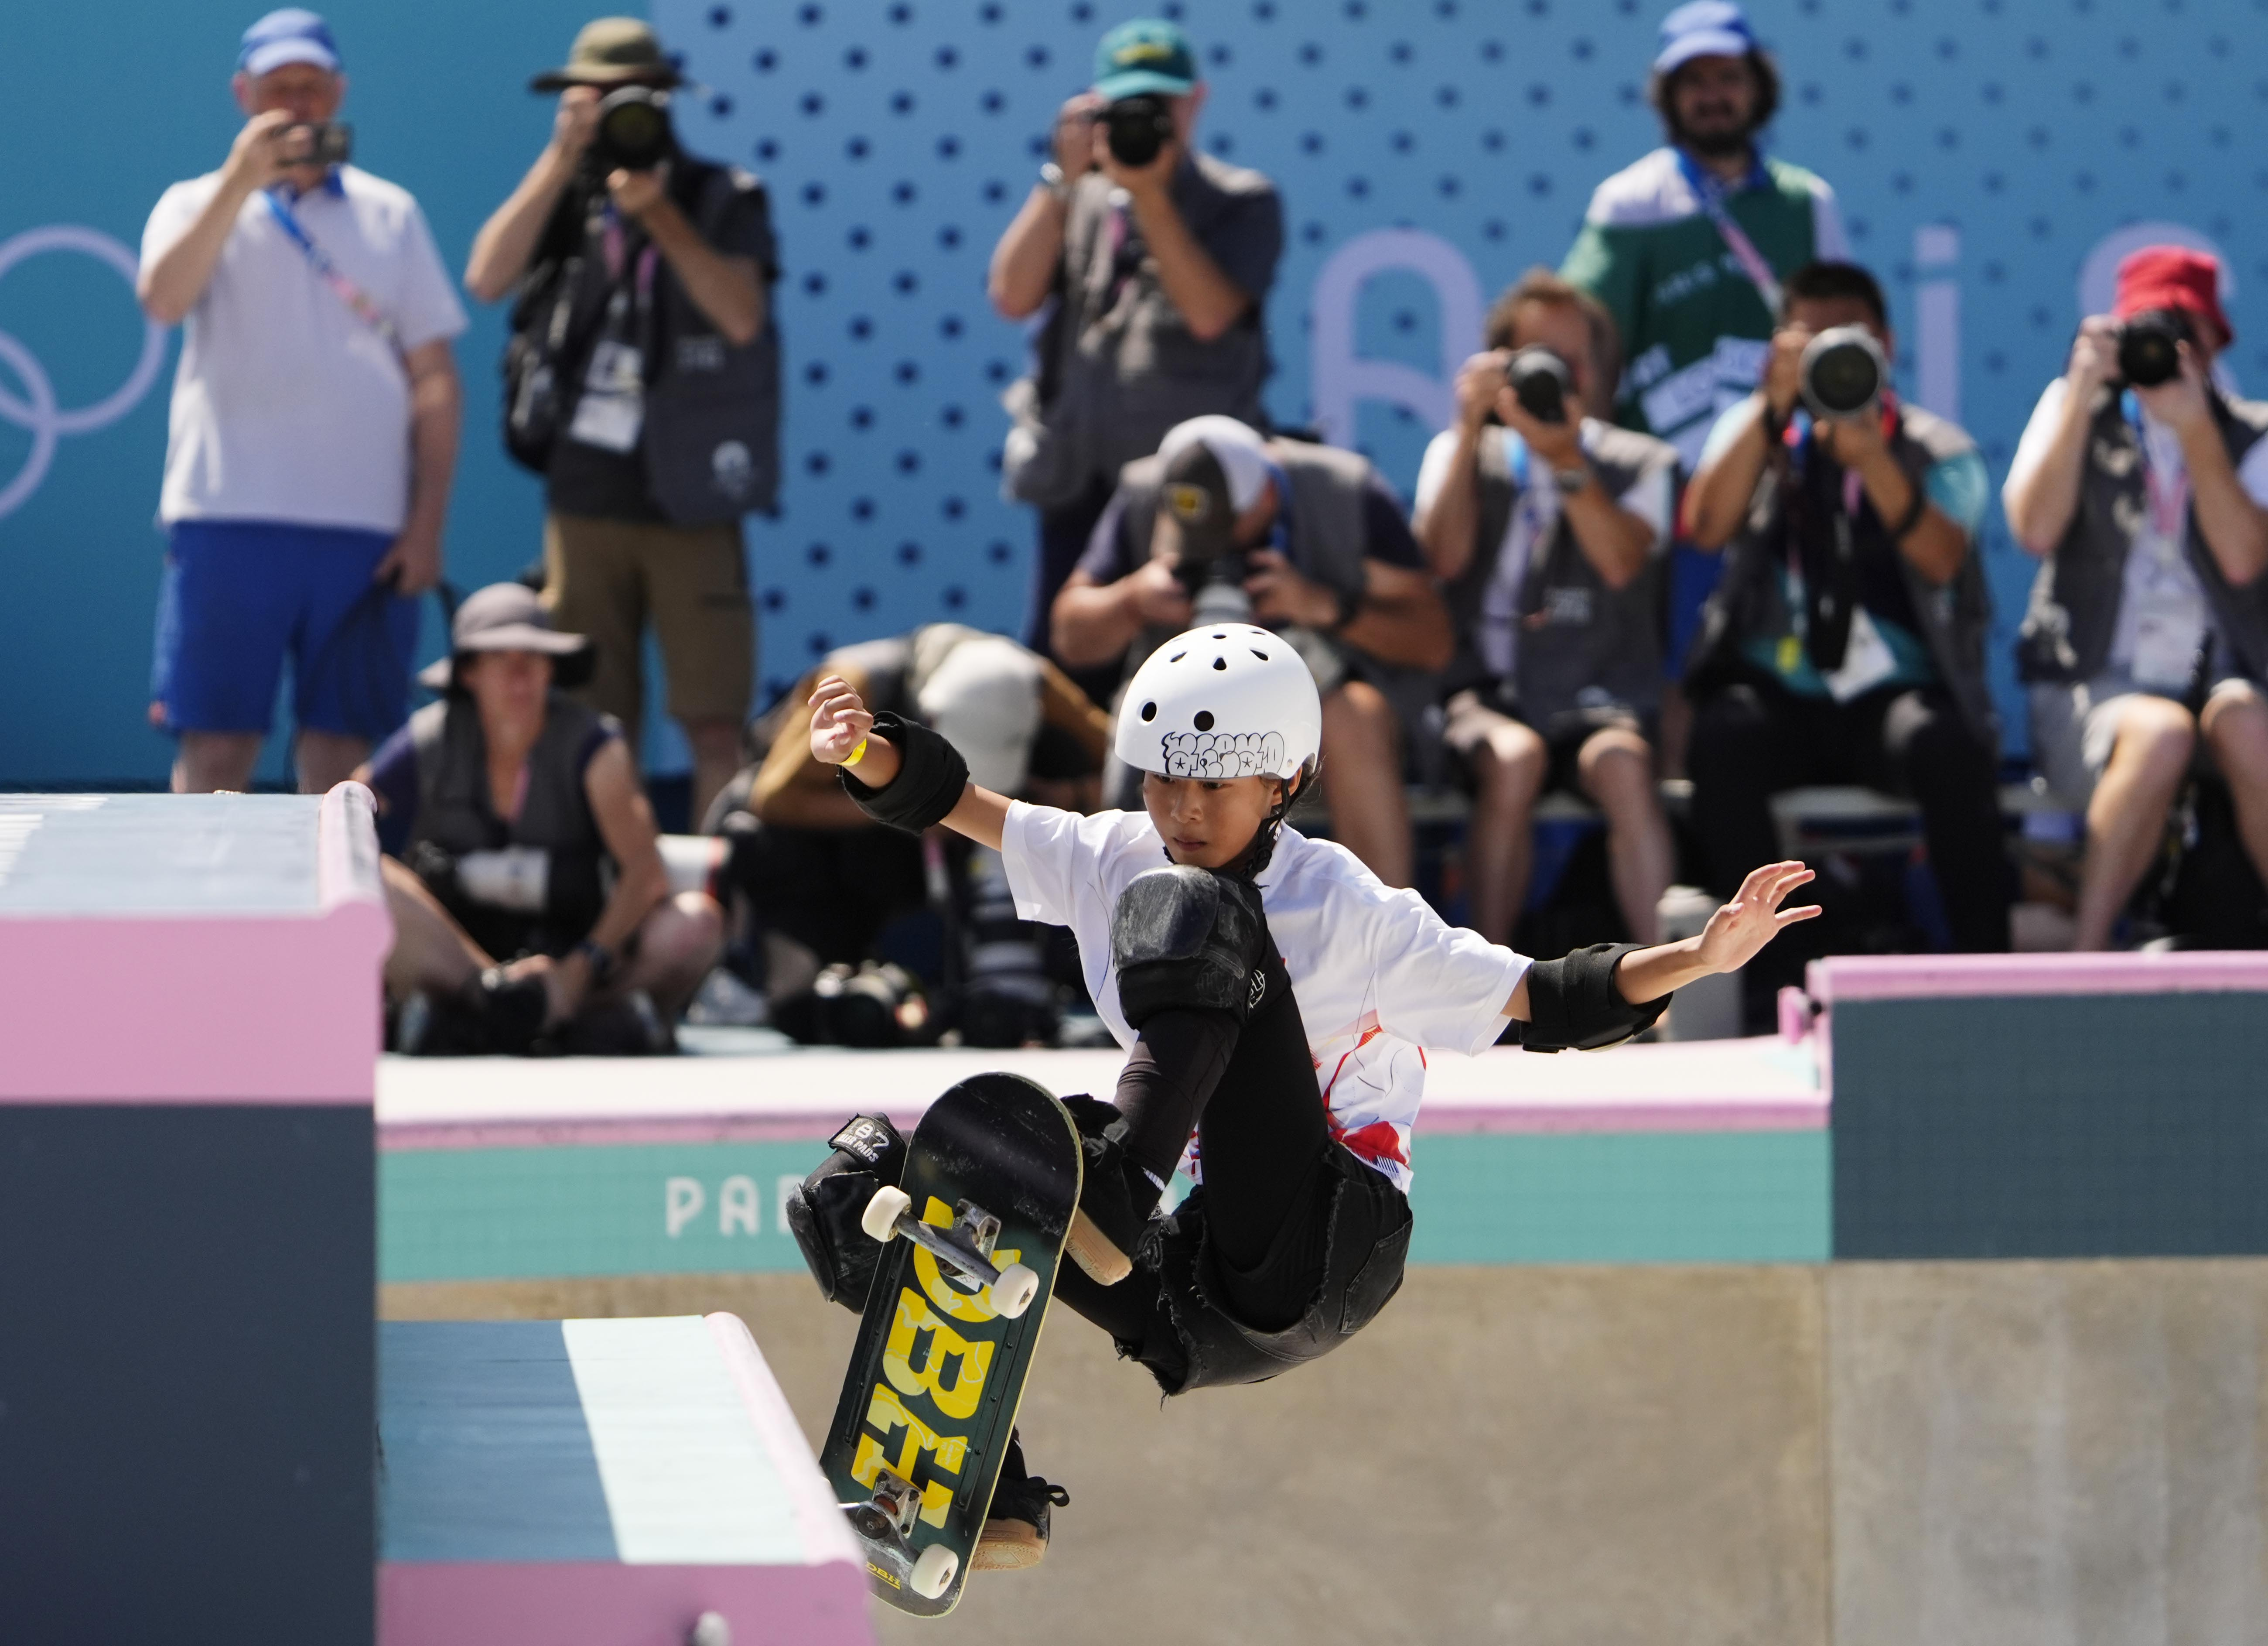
(885, 1522)
(966, 1247)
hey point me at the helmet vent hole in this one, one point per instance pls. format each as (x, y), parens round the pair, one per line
(1203, 721)
(1220, 662)
(1149, 710)
(1177, 657)
(1220, 636)
(1258, 653)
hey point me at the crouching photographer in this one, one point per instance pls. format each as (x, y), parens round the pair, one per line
(822, 881)
(1845, 643)
(642, 381)
(531, 909)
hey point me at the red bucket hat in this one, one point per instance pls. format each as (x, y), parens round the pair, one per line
(2172, 277)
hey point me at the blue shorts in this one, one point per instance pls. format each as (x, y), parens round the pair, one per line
(237, 595)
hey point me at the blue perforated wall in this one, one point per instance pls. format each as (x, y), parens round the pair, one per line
(1984, 149)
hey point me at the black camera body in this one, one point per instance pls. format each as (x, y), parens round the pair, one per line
(2149, 347)
(633, 132)
(324, 142)
(1541, 382)
(1138, 127)
(1843, 373)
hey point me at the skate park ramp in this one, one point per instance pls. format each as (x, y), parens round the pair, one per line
(1942, 1322)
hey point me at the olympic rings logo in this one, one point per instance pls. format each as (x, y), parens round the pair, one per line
(36, 410)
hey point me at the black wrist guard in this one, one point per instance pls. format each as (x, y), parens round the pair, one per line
(823, 1215)
(932, 776)
(1574, 1003)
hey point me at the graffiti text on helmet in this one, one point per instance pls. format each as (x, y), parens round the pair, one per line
(1217, 756)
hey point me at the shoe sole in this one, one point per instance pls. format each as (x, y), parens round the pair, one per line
(1007, 1546)
(1092, 1250)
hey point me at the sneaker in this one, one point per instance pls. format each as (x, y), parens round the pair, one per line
(1016, 1530)
(1115, 1197)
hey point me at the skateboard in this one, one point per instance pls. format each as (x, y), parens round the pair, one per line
(976, 1233)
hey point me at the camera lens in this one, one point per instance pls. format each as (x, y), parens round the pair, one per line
(1137, 128)
(633, 132)
(2149, 352)
(1540, 382)
(1843, 372)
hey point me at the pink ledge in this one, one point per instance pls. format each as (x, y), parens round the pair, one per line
(217, 1008)
(817, 1517)
(1848, 977)
(606, 1603)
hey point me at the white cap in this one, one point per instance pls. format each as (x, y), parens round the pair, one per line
(984, 698)
(1227, 701)
(1236, 447)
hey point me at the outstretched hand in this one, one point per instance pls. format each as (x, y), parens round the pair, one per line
(839, 721)
(1740, 929)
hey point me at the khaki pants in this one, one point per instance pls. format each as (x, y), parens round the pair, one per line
(605, 579)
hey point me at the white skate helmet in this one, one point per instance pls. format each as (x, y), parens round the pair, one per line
(1228, 700)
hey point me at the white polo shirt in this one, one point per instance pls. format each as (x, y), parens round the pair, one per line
(287, 406)
(1379, 977)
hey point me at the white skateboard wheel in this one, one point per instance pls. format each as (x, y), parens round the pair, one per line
(1014, 1291)
(879, 1220)
(933, 1570)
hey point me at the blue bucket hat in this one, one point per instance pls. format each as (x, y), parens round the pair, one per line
(1705, 29)
(291, 35)
(1147, 54)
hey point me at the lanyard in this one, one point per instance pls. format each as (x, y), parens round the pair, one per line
(1712, 191)
(2170, 492)
(1533, 519)
(359, 302)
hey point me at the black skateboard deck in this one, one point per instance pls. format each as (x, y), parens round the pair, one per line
(992, 1176)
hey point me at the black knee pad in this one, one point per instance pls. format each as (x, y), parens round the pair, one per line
(823, 1215)
(1188, 937)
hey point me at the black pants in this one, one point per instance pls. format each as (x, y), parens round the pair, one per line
(1752, 739)
(1063, 532)
(1262, 1137)
(830, 889)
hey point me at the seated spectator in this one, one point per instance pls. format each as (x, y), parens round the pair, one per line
(822, 879)
(1549, 534)
(1845, 643)
(1305, 539)
(2144, 503)
(505, 811)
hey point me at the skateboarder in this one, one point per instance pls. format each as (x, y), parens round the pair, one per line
(1275, 1000)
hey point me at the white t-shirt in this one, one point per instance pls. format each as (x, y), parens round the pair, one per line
(1536, 510)
(1379, 976)
(287, 406)
(2162, 612)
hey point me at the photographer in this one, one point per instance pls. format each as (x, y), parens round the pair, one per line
(1221, 525)
(1845, 643)
(642, 382)
(821, 878)
(1548, 526)
(1146, 264)
(2141, 486)
(515, 830)
(314, 432)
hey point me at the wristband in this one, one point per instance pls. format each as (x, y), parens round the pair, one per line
(1913, 516)
(598, 958)
(1572, 1002)
(932, 777)
(858, 754)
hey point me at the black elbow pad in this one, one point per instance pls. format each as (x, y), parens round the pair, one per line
(932, 777)
(1188, 937)
(1572, 1002)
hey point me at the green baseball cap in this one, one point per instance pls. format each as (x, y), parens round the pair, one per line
(611, 51)
(1147, 54)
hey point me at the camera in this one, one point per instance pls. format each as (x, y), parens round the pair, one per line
(871, 1006)
(1541, 382)
(314, 142)
(2149, 347)
(1842, 374)
(633, 133)
(1138, 127)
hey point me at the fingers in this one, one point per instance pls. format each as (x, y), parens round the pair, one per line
(1802, 911)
